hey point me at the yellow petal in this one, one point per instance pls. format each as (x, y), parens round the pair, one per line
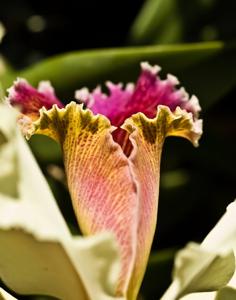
(110, 191)
(38, 254)
(102, 188)
(147, 136)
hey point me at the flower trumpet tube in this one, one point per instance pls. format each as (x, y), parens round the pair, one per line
(112, 152)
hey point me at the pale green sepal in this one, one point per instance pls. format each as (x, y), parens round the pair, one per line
(198, 269)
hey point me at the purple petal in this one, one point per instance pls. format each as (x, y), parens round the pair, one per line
(151, 91)
(148, 93)
(29, 99)
(113, 106)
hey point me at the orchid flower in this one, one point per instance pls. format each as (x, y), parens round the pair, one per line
(112, 152)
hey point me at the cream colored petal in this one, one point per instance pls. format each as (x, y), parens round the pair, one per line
(6, 296)
(197, 269)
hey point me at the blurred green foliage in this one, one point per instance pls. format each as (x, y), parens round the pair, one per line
(177, 21)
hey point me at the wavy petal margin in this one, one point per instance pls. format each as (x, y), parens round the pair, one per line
(145, 96)
(103, 190)
(147, 136)
(149, 92)
(110, 191)
(29, 99)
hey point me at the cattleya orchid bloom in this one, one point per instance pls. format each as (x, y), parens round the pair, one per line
(112, 151)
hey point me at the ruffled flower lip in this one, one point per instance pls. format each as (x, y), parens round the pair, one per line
(121, 103)
(145, 96)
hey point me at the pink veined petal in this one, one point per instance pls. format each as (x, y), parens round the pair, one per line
(112, 106)
(147, 136)
(110, 191)
(101, 185)
(151, 91)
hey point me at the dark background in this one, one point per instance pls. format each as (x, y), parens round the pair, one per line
(73, 25)
(69, 25)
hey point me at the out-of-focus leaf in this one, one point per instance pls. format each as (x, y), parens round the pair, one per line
(6, 71)
(167, 21)
(205, 81)
(2, 93)
(153, 19)
(38, 255)
(45, 149)
(158, 274)
(197, 269)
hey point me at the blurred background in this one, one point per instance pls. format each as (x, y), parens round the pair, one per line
(194, 40)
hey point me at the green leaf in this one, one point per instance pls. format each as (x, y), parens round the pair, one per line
(168, 21)
(2, 94)
(153, 20)
(45, 149)
(205, 81)
(6, 70)
(38, 255)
